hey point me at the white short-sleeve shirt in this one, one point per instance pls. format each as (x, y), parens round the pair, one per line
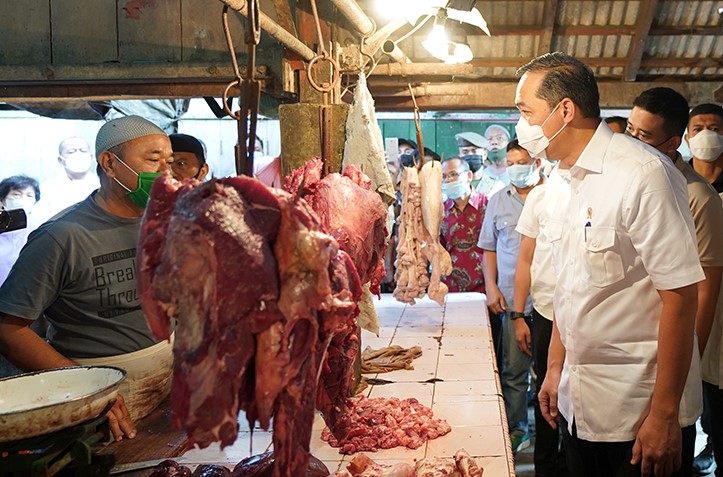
(535, 217)
(625, 233)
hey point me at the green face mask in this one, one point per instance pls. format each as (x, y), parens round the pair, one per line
(142, 193)
(496, 156)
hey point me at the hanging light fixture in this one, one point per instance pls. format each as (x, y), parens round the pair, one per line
(412, 10)
(447, 42)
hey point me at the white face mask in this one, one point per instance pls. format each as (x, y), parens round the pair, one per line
(706, 146)
(78, 162)
(523, 176)
(532, 138)
(25, 204)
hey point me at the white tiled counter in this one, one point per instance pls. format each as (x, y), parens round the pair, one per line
(456, 376)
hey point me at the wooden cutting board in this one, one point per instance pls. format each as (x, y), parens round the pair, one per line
(156, 439)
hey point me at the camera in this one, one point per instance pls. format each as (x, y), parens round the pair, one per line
(12, 220)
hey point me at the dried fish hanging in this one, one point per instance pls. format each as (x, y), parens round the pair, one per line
(250, 96)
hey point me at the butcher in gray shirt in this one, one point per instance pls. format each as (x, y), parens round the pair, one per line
(78, 270)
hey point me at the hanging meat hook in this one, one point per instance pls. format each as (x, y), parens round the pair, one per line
(250, 92)
(325, 111)
(418, 127)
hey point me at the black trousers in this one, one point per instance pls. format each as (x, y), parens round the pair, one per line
(496, 326)
(612, 459)
(713, 398)
(549, 455)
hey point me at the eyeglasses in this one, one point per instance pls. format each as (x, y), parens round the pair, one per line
(452, 176)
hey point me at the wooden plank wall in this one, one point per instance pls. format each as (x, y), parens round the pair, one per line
(25, 32)
(83, 32)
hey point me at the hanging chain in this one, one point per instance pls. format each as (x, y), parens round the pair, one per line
(250, 92)
(418, 127)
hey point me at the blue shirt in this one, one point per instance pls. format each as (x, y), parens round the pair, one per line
(499, 235)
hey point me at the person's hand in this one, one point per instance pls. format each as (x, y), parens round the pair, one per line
(495, 300)
(120, 420)
(658, 446)
(548, 397)
(523, 336)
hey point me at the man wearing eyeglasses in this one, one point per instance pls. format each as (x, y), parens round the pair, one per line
(464, 211)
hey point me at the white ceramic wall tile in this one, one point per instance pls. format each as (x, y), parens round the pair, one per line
(322, 450)
(421, 317)
(464, 331)
(479, 299)
(375, 343)
(470, 413)
(422, 392)
(418, 331)
(465, 388)
(233, 454)
(463, 342)
(386, 331)
(478, 441)
(464, 356)
(465, 372)
(495, 466)
(477, 397)
(332, 465)
(428, 356)
(409, 341)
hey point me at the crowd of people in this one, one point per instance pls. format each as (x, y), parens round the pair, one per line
(599, 249)
(597, 245)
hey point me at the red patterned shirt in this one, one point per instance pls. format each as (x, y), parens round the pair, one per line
(459, 235)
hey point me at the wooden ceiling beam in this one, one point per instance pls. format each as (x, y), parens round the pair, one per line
(549, 16)
(284, 16)
(500, 95)
(646, 15)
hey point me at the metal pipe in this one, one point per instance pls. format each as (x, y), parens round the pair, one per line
(422, 69)
(356, 16)
(275, 30)
(392, 49)
(374, 42)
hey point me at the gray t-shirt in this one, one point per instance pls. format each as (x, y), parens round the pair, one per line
(79, 270)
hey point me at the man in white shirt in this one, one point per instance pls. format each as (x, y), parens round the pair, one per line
(77, 182)
(622, 377)
(535, 276)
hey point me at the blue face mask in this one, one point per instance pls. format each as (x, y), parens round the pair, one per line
(523, 176)
(456, 189)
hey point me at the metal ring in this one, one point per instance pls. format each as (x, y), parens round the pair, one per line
(237, 114)
(335, 74)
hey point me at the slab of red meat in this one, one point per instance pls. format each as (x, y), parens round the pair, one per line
(340, 337)
(319, 290)
(383, 423)
(218, 309)
(266, 308)
(349, 211)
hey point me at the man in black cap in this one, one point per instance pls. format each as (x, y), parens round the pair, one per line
(189, 157)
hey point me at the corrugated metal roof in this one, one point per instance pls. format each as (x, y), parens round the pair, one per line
(683, 41)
